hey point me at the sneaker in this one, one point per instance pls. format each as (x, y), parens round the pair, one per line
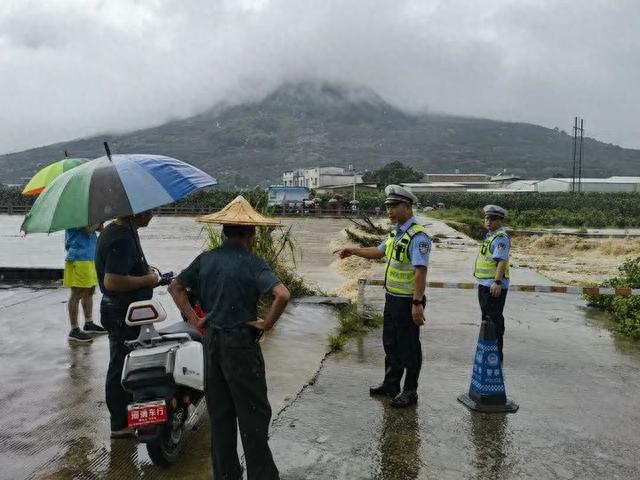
(77, 335)
(91, 327)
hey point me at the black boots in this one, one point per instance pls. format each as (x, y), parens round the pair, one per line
(405, 399)
(398, 400)
(384, 389)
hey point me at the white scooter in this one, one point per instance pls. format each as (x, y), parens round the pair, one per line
(165, 374)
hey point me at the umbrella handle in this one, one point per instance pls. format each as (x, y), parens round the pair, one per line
(107, 149)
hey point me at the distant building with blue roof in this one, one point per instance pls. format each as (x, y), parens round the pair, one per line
(293, 196)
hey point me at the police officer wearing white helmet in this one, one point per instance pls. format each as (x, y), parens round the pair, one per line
(407, 251)
(492, 270)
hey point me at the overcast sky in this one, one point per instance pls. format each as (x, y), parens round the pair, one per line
(72, 68)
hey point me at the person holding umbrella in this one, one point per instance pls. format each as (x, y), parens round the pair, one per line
(80, 246)
(126, 188)
(124, 277)
(229, 281)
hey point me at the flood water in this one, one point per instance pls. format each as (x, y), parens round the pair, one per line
(55, 423)
(577, 384)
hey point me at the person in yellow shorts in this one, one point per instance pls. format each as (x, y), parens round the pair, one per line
(80, 276)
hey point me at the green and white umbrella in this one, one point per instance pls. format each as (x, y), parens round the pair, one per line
(112, 187)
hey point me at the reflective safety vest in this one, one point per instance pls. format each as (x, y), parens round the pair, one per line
(400, 276)
(486, 266)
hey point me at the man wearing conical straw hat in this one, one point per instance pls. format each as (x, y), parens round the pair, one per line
(229, 281)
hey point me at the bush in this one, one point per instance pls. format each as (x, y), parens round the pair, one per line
(625, 311)
(13, 196)
(352, 323)
(628, 203)
(580, 218)
(364, 240)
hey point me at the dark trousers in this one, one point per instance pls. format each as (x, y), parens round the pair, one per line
(117, 398)
(236, 392)
(492, 308)
(401, 340)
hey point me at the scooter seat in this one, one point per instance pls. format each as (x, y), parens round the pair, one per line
(182, 327)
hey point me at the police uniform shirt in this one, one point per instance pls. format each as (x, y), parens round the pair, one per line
(229, 281)
(419, 248)
(499, 249)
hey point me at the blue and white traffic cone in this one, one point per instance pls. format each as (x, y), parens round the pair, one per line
(486, 392)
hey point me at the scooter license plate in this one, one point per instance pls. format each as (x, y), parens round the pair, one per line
(147, 413)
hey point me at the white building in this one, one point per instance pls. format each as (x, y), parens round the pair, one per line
(523, 185)
(611, 184)
(456, 177)
(418, 188)
(320, 177)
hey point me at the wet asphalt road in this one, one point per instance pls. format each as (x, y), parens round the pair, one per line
(54, 423)
(577, 386)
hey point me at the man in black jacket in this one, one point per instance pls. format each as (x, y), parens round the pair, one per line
(124, 277)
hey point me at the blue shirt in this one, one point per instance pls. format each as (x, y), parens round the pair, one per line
(79, 245)
(499, 249)
(419, 248)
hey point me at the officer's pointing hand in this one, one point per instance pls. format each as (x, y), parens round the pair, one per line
(343, 252)
(417, 313)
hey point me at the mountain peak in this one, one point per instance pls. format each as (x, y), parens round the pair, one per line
(315, 123)
(324, 94)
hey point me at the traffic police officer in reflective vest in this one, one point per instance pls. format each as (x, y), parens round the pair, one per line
(407, 251)
(492, 270)
(229, 281)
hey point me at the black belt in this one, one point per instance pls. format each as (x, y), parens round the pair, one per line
(216, 329)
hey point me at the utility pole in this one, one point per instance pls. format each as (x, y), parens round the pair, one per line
(573, 164)
(354, 184)
(580, 156)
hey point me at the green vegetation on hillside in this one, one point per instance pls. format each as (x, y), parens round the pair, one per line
(319, 124)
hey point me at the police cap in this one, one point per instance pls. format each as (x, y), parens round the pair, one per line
(397, 194)
(494, 211)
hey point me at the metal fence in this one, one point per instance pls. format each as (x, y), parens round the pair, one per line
(14, 209)
(182, 210)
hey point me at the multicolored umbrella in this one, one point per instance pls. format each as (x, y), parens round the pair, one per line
(49, 173)
(107, 188)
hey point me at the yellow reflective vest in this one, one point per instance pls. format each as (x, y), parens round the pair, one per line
(486, 266)
(399, 276)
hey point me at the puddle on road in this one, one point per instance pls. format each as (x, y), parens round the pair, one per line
(55, 423)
